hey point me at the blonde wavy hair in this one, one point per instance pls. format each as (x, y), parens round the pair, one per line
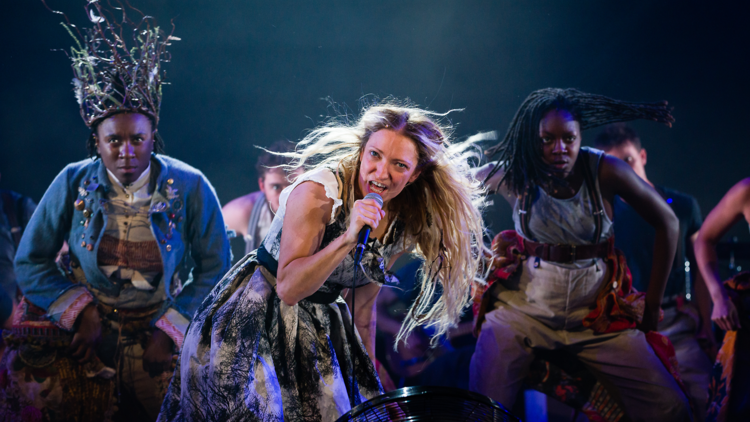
(441, 209)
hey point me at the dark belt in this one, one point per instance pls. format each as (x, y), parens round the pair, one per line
(267, 260)
(115, 313)
(324, 298)
(566, 254)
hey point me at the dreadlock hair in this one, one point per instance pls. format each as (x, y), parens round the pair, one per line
(91, 142)
(441, 210)
(271, 159)
(520, 151)
(615, 135)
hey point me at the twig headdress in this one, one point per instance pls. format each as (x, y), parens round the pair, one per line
(117, 63)
(519, 152)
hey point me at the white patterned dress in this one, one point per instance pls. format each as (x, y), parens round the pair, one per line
(248, 356)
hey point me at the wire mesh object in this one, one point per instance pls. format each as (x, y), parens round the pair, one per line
(441, 404)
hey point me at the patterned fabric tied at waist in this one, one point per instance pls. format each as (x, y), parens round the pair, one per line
(30, 323)
(567, 253)
(618, 305)
(139, 256)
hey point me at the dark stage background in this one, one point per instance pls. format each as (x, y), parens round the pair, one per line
(248, 73)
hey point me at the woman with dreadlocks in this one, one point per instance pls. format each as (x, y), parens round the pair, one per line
(94, 338)
(560, 262)
(272, 342)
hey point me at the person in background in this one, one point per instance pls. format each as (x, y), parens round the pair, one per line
(250, 215)
(684, 323)
(94, 338)
(730, 384)
(733, 207)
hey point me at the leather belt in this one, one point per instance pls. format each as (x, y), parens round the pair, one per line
(565, 254)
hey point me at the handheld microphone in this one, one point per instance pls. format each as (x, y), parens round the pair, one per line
(364, 234)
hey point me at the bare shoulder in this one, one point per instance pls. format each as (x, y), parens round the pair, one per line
(738, 197)
(610, 166)
(741, 189)
(237, 212)
(732, 208)
(615, 176)
(243, 202)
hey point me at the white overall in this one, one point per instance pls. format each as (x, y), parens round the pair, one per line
(542, 307)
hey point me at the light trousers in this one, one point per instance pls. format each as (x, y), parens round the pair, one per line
(542, 309)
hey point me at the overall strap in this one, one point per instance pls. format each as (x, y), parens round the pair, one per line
(252, 242)
(9, 208)
(525, 213)
(588, 177)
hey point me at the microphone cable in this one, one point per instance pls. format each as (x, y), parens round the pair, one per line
(364, 234)
(353, 394)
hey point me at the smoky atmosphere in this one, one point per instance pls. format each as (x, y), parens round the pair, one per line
(251, 73)
(356, 210)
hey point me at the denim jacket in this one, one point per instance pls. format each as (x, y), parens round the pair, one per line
(183, 199)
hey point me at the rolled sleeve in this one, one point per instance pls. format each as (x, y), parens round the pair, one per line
(174, 325)
(65, 310)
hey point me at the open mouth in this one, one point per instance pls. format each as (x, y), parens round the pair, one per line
(376, 187)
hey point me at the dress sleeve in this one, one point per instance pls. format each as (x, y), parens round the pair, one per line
(323, 176)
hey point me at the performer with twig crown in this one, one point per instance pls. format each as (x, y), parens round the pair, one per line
(94, 338)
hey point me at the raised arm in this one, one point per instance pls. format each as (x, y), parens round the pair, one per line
(617, 178)
(302, 268)
(732, 208)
